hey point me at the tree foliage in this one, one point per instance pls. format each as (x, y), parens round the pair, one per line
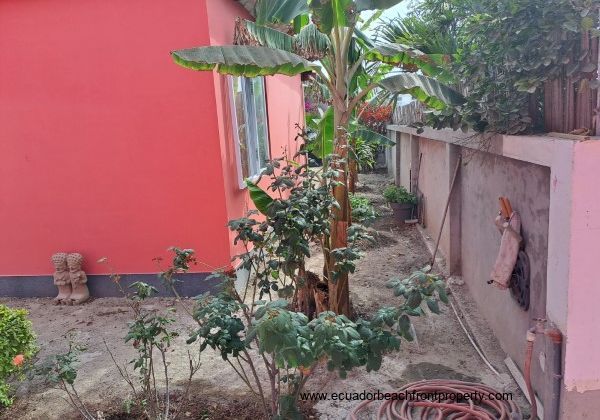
(501, 54)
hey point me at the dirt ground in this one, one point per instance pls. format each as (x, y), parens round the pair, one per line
(441, 350)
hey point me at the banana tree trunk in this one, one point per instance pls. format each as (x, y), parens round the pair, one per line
(339, 288)
(352, 174)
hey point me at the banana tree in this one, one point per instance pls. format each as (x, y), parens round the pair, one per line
(290, 37)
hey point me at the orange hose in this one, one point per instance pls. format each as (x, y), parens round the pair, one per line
(488, 408)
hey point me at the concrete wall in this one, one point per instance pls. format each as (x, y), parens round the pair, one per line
(391, 155)
(484, 178)
(552, 182)
(434, 184)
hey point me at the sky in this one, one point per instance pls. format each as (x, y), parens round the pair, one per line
(400, 9)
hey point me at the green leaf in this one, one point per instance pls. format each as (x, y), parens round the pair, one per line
(322, 146)
(372, 137)
(362, 5)
(279, 11)
(260, 312)
(414, 299)
(311, 42)
(375, 16)
(363, 39)
(300, 22)
(404, 327)
(329, 14)
(430, 64)
(442, 293)
(424, 89)
(241, 60)
(269, 37)
(261, 199)
(433, 306)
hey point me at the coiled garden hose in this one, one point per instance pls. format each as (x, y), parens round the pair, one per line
(487, 408)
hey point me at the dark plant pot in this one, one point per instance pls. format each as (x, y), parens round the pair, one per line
(402, 211)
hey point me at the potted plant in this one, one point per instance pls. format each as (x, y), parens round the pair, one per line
(401, 201)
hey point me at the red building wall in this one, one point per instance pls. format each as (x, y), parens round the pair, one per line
(285, 108)
(106, 146)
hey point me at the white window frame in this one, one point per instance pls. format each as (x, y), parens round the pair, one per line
(254, 164)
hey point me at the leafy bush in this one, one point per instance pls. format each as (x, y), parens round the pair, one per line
(398, 194)
(375, 117)
(362, 209)
(364, 153)
(500, 54)
(269, 322)
(17, 343)
(291, 346)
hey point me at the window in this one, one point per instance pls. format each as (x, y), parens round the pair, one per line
(250, 125)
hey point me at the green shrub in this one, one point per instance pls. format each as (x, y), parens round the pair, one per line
(364, 154)
(16, 339)
(362, 209)
(395, 194)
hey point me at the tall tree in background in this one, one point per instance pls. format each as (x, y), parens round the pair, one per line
(290, 37)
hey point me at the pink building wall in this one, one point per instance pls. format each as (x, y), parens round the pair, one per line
(285, 108)
(582, 359)
(109, 148)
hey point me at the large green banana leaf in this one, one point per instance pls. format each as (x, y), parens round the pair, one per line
(322, 145)
(309, 43)
(430, 64)
(425, 89)
(329, 14)
(239, 60)
(259, 197)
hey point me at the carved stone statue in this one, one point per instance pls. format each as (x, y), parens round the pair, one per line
(78, 278)
(62, 278)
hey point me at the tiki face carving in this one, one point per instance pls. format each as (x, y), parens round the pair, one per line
(61, 270)
(78, 278)
(62, 278)
(74, 262)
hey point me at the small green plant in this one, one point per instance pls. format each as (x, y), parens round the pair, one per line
(362, 209)
(398, 194)
(420, 286)
(17, 345)
(60, 371)
(151, 334)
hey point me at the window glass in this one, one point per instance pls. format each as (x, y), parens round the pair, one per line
(251, 129)
(262, 126)
(240, 124)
